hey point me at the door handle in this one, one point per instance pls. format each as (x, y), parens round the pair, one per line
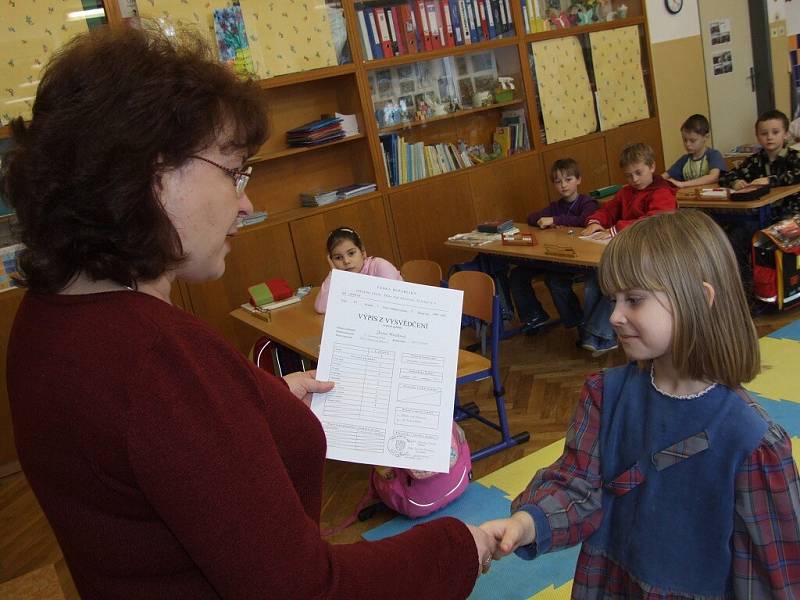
(752, 78)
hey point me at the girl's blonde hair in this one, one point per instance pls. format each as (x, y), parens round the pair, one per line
(676, 253)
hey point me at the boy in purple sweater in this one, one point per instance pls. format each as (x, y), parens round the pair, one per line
(570, 210)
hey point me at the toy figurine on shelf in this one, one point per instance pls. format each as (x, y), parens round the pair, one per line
(585, 15)
(557, 20)
(504, 90)
(572, 14)
(482, 98)
(404, 111)
(437, 107)
(622, 11)
(604, 10)
(422, 110)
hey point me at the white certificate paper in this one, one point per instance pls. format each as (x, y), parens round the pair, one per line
(392, 349)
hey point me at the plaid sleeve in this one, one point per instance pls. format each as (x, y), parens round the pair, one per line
(565, 498)
(766, 537)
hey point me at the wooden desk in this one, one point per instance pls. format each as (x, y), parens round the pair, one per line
(759, 210)
(297, 326)
(587, 254)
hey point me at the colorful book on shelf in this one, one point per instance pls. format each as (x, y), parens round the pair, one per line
(502, 137)
(316, 132)
(372, 28)
(421, 17)
(362, 28)
(317, 198)
(234, 49)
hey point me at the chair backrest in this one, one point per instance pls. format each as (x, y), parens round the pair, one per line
(426, 272)
(478, 291)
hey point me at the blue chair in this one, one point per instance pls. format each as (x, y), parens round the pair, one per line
(482, 303)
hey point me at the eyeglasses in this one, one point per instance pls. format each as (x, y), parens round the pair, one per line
(240, 178)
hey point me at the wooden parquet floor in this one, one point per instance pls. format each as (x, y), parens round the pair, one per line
(542, 375)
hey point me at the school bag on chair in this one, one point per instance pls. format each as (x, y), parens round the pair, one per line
(776, 263)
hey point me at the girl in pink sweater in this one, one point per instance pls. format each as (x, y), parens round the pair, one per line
(346, 252)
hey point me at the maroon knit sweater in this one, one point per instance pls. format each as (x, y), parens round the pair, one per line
(170, 467)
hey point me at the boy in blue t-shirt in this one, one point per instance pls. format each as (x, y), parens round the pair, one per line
(700, 165)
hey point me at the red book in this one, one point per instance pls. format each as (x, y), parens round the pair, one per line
(484, 22)
(422, 23)
(399, 35)
(383, 32)
(432, 10)
(408, 29)
(448, 23)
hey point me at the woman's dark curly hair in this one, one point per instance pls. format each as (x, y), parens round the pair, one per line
(115, 109)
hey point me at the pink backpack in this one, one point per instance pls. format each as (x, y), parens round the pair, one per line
(405, 493)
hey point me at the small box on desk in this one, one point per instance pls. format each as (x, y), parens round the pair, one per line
(523, 238)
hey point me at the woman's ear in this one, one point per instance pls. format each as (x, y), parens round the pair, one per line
(710, 293)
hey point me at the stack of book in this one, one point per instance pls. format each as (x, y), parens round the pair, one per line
(312, 199)
(356, 189)
(321, 198)
(411, 26)
(316, 132)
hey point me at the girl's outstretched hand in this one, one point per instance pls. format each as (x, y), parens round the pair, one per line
(511, 533)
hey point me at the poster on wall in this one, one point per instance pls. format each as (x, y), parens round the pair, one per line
(722, 62)
(720, 31)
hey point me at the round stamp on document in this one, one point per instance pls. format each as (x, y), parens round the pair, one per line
(399, 445)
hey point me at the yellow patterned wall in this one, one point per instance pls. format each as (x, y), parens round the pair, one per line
(617, 60)
(564, 89)
(194, 15)
(31, 30)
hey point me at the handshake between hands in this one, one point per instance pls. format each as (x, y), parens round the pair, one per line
(500, 537)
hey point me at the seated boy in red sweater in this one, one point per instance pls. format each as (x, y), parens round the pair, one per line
(645, 194)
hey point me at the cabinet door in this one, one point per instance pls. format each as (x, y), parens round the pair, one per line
(592, 160)
(510, 189)
(9, 302)
(368, 218)
(256, 255)
(426, 214)
(646, 131)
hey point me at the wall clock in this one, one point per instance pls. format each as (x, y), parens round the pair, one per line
(674, 6)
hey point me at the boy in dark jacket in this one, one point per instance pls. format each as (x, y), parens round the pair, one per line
(570, 210)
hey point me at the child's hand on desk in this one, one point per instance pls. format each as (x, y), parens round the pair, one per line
(302, 385)
(591, 228)
(545, 222)
(510, 534)
(760, 181)
(739, 184)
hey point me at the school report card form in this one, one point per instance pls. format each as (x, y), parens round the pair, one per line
(392, 349)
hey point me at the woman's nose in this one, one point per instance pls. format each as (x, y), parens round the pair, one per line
(245, 206)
